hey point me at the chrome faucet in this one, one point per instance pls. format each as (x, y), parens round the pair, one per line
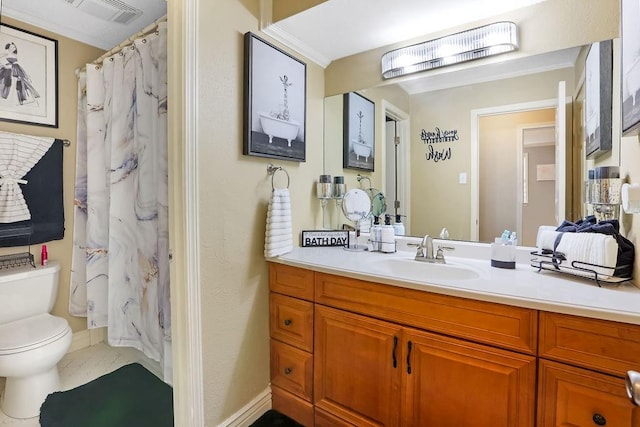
(425, 251)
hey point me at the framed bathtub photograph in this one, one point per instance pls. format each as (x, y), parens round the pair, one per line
(598, 98)
(28, 77)
(630, 41)
(358, 132)
(275, 102)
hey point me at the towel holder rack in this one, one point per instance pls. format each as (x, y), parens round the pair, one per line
(361, 177)
(271, 170)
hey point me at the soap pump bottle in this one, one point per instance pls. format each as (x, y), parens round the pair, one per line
(375, 234)
(398, 226)
(388, 239)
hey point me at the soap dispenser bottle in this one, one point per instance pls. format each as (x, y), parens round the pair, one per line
(387, 237)
(375, 234)
(398, 226)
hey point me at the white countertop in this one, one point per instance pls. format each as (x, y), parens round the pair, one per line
(523, 287)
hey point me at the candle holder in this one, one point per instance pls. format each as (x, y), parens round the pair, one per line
(339, 190)
(324, 192)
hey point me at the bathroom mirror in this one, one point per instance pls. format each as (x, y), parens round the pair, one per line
(440, 190)
(423, 106)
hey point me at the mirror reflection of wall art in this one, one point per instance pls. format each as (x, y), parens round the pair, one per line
(28, 77)
(630, 13)
(358, 132)
(598, 97)
(275, 86)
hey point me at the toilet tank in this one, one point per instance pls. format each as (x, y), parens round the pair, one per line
(27, 291)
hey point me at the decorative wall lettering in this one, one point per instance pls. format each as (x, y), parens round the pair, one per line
(438, 136)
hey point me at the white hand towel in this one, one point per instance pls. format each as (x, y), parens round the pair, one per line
(591, 248)
(278, 236)
(18, 154)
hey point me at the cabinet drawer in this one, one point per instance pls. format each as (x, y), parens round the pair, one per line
(570, 396)
(489, 323)
(292, 281)
(298, 409)
(291, 321)
(601, 345)
(292, 369)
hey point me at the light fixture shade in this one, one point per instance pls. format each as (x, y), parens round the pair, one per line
(488, 40)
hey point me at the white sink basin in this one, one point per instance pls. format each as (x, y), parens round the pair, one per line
(409, 268)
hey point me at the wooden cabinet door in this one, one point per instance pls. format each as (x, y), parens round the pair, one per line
(570, 396)
(355, 377)
(448, 382)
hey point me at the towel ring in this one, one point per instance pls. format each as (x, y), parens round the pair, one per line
(271, 170)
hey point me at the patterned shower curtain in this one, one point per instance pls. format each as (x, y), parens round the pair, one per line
(120, 266)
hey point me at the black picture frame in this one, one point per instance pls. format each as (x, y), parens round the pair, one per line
(275, 102)
(359, 136)
(598, 98)
(28, 77)
(630, 70)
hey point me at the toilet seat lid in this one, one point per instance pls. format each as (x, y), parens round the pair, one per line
(34, 331)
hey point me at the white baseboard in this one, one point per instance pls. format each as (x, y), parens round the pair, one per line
(251, 411)
(87, 338)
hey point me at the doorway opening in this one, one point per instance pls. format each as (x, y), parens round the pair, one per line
(504, 150)
(395, 173)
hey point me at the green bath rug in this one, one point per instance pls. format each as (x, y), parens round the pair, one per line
(130, 396)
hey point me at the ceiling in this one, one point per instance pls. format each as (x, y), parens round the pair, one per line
(100, 23)
(357, 26)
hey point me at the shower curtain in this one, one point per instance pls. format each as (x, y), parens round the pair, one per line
(120, 265)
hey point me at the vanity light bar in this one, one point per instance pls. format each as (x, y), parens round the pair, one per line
(488, 40)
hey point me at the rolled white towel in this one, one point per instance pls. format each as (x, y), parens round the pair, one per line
(583, 248)
(546, 237)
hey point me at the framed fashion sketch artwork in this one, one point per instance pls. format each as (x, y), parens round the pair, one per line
(598, 98)
(28, 77)
(275, 101)
(358, 132)
(630, 41)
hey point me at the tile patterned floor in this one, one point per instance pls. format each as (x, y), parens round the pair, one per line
(81, 366)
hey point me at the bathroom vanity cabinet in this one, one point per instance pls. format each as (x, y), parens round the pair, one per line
(349, 352)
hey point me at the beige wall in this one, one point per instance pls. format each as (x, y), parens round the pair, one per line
(71, 55)
(437, 199)
(630, 172)
(233, 198)
(284, 9)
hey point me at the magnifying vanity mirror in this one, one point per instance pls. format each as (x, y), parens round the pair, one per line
(378, 201)
(479, 150)
(356, 206)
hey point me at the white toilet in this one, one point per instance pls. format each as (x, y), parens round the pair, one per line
(32, 341)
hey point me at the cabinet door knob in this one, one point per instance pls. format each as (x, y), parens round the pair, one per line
(632, 383)
(599, 419)
(409, 345)
(287, 322)
(287, 371)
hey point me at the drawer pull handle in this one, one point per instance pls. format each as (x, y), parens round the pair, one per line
(287, 371)
(287, 322)
(409, 345)
(393, 353)
(599, 419)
